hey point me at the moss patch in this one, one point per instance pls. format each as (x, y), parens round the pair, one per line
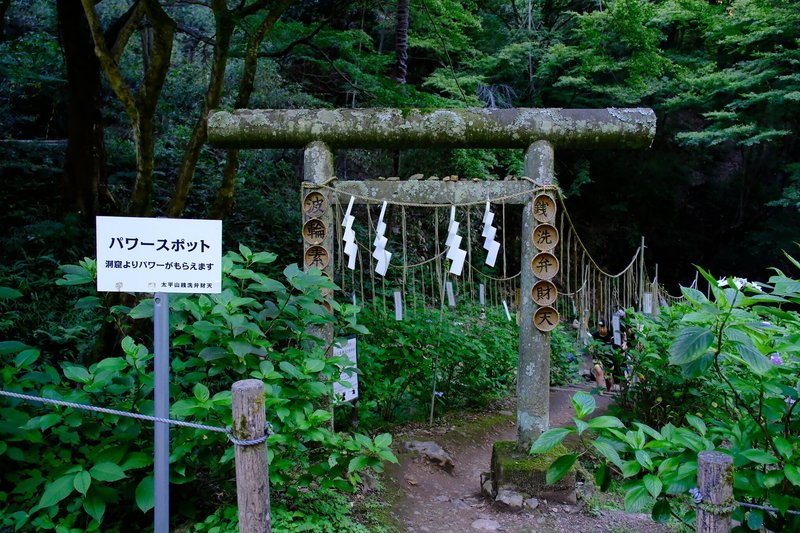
(528, 474)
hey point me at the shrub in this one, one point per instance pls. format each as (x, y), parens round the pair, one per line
(71, 466)
(743, 342)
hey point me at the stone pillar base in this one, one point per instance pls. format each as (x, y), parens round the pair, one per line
(526, 474)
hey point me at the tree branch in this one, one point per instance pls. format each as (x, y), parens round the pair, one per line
(108, 63)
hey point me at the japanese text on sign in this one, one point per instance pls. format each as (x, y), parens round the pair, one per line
(159, 255)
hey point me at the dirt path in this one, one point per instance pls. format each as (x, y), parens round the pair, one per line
(428, 499)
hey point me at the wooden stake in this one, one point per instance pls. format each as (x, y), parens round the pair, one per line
(715, 482)
(252, 470)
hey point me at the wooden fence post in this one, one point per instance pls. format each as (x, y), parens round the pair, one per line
(715, 482)
(252, 470)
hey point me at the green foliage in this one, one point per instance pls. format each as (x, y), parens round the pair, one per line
(741, 345)
(256, 327)
(467, 359)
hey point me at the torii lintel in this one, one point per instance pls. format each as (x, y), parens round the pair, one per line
(437, 128)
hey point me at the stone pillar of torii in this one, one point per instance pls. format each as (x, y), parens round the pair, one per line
(537, 131)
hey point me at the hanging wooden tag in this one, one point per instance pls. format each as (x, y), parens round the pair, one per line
(314, 204)
(544, 208)
(545, 318)
(314, 231)
(544, 265)
(317, 257)
(544, 293)
(545, 237)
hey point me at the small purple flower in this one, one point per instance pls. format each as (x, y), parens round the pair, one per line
(439, 393)
(775, 359)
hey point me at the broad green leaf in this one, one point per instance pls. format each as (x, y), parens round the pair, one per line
(136, 460)
(643, 458)
(692, 342)
(630, 468)
(580, 425)
(7, 347)
(26, 357)
(560, 467)
(584, 404)
(549, 439)
(792, 473)
(143, 309)
(608, 451)
(755, 360)
(357, 463)
(200, 392)
(383, 440)
(653, 485)
(114, 364)
(107, 472)
(637, 498)
(661, 511)
(697, 423)
(290, 369)
(77, 373)
(82, 481)
(602, 478)
(7, 293)
(212, 353)
(57, 490)
(760, 457)
(94, 505)
(755, 519)
(314, 365)
(264, 257)
(145, 494)
(605, 422)
(784, 447)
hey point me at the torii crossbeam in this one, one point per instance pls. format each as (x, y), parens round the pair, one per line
(537, 131)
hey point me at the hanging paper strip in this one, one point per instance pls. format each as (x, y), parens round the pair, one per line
(380, 254)
(489, 232)
(454, 253)
(349, 237)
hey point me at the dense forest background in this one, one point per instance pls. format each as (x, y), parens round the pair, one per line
(125, 133)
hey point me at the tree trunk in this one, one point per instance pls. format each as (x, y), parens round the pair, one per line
(84, 169)
(401, 42)
(223, 204)
(141, 108)
(224, 27)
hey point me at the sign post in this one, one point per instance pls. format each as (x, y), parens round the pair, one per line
(161, 410)
(161, 256)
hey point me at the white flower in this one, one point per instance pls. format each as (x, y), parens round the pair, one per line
(738, 283)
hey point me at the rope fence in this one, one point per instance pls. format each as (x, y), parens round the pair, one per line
(138, 416)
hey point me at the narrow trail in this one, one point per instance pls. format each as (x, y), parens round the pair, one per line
(428, 499)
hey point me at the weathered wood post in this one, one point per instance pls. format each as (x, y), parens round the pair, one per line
(252, 470)
(715, 482)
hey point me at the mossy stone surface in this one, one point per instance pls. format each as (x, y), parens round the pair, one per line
(528, 474)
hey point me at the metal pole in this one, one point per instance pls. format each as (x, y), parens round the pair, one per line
(161, 409)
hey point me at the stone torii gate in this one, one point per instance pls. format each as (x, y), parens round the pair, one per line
(537, 131)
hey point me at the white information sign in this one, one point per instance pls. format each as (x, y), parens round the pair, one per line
(348, 350)
(159, 255)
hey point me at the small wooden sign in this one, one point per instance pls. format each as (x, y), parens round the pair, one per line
(314, 231)
(545, 318)
(544, 293)
(314, 204)
(545, 237)
(544, 208)
(317, 257)
(544, 265)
